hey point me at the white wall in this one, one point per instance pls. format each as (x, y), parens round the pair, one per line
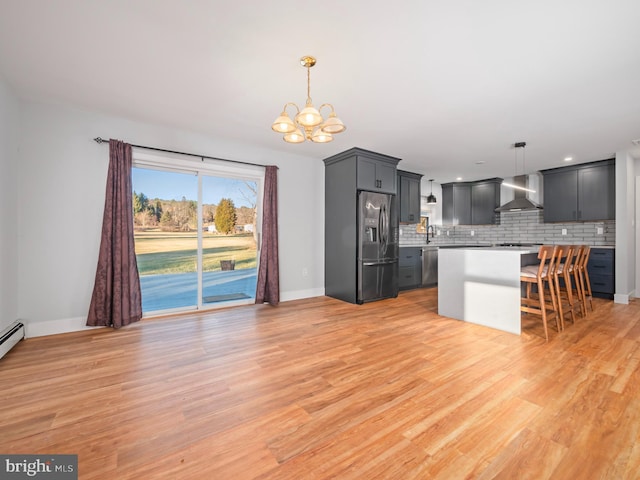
(637, 225)
(9, 121)
(60, 189)
(625, 228)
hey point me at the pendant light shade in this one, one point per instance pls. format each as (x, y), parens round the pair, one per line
(283, 124)
(431, 198)
(309, 116)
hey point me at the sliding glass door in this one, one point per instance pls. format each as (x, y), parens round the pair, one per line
(229, 244)
(196, 237)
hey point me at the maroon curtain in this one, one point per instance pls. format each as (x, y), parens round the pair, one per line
(117, 299)
(268, 287)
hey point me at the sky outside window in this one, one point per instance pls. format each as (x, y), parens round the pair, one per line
(159, 184)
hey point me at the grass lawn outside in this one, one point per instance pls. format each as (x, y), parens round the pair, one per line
(159, 252)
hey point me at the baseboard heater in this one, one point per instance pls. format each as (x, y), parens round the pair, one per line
(10, 336)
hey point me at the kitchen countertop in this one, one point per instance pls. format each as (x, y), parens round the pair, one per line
(475, 245)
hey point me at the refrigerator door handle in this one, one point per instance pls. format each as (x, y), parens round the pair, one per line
(382, 217)
(381, 262)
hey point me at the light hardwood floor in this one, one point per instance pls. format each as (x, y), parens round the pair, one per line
(319, 389)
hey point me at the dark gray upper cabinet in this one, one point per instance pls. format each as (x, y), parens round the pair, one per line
(456, 203)
(471, 203)
(485, 198)
(580, 193)
(560, 196)
(376, 174)
(409, 194)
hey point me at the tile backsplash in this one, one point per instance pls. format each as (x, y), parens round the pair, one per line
(515, 227)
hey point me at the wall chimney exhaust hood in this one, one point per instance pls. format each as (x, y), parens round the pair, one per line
(520, 201)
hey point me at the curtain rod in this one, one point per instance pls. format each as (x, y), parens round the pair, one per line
(100, 141)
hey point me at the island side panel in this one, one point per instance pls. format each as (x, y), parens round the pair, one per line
(481, 286)
(451, 283)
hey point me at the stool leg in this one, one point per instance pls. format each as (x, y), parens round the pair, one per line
(543, 308)
(559, 299)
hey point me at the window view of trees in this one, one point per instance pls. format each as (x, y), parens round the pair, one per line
(175, 260)
(181, 215)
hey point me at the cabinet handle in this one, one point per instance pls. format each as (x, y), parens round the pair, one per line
(579, 214)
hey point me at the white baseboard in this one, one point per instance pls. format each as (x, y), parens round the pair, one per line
(35, 328)
(41, 328)
(300, 294)
(621, 298)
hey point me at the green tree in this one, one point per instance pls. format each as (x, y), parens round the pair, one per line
(138, 205)
(225, 220)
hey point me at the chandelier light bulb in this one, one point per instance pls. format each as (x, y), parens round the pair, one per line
(283, 124)
(309, 116)
(294, 137)
(321, 137)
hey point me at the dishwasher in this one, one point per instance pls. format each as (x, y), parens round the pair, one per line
(429, 266)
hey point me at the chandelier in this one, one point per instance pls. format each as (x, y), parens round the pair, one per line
(309, 120)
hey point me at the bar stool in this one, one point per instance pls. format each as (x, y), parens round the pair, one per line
(578, 281)
(562, 279)
(584, 273)
(541, 275)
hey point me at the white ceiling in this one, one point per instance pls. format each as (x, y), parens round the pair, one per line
(439, 84)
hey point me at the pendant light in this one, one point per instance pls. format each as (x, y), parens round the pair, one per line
(515, 185)
(431, 198)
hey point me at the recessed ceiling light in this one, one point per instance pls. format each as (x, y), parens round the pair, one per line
(459, 178)
(568, 159)
(636, 141)
(480, 162)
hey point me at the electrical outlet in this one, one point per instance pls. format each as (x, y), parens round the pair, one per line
(400, 231)
(600, 231)
(305, 272)
(473, 233)
(564, 231)
(447, 233)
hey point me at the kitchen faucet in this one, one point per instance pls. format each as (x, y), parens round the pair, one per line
(433, 233)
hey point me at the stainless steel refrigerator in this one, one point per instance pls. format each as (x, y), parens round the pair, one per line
(377, 270)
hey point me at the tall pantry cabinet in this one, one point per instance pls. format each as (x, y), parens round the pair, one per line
(345, 174)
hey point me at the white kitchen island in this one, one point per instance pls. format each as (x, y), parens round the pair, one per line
(482, 285)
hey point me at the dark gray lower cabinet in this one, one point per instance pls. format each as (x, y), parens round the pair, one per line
(409, 268)
(601, 268)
